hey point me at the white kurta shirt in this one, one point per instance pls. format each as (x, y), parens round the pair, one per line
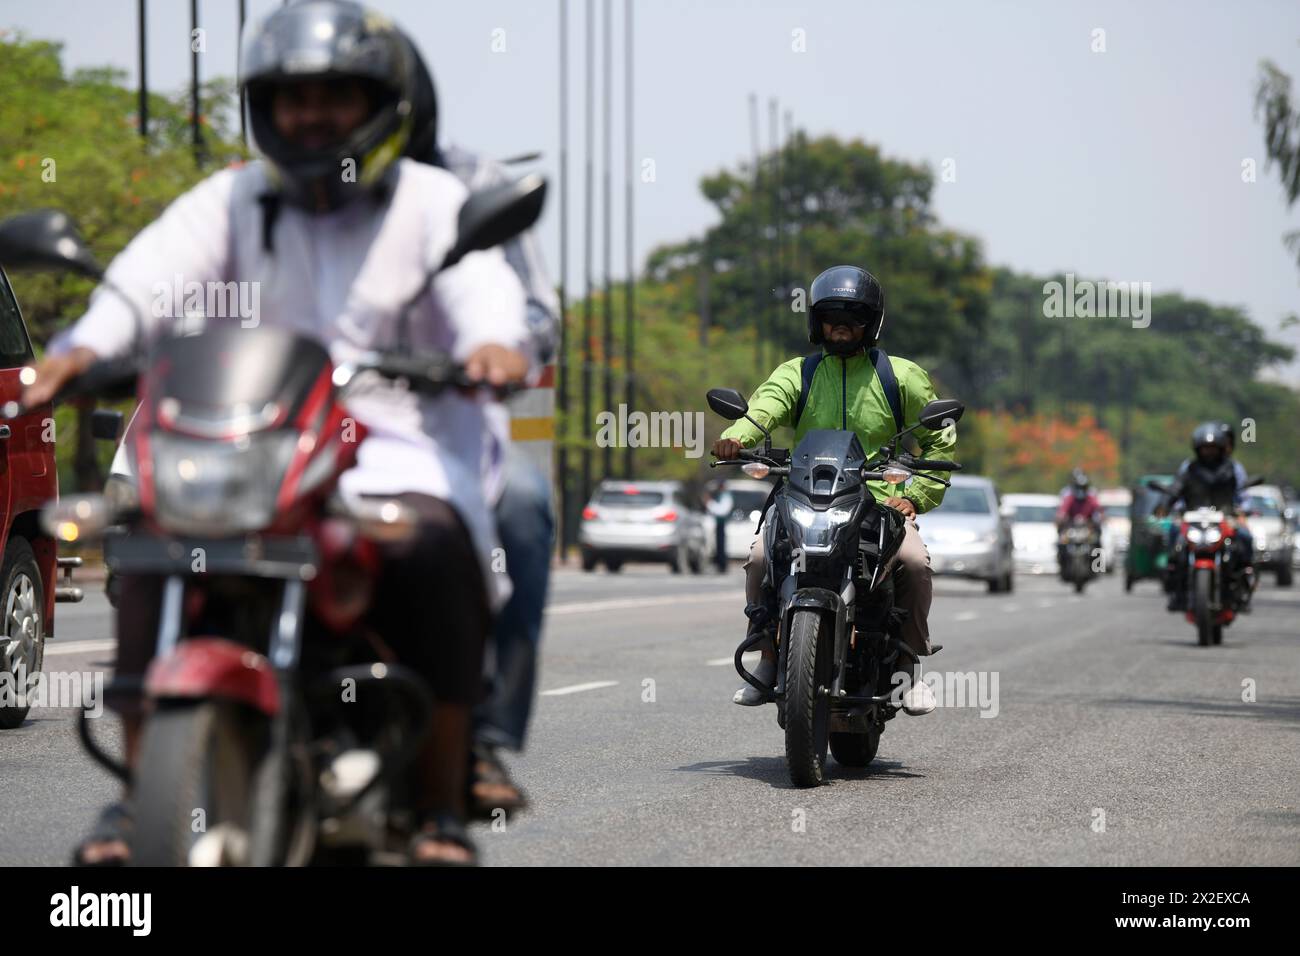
(341, 278)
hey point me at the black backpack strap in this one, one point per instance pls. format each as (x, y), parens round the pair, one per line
(810, 363)
(885, 370)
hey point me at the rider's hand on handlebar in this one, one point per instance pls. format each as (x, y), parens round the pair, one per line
(903, 505)
(55, 371)
(726, 449)
(496, 365)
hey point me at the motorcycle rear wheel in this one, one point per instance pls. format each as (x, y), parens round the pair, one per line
(855, 750)
(807, 709)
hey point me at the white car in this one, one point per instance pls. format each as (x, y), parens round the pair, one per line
(748, 496)
(1274, 542)
(1116, 504)
(1033, 531)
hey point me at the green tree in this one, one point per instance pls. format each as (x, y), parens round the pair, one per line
(1281, 118)
(71, 142)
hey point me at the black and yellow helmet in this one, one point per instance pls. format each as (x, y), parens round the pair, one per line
(322, 40)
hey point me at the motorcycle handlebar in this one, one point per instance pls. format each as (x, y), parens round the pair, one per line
(933, 464)
(112, 379)
(431, 373)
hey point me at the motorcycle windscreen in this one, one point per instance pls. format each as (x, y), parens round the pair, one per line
(229, 380)
(826, 462)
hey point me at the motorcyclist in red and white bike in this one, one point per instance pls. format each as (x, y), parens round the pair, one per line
(337, 233)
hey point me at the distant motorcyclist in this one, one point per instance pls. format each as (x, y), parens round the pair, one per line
(1209, 479)
(1077, 501)
(845, 318)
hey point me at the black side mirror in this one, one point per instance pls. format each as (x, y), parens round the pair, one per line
(105, 424)
(45, 239)
(941, 412)
(493, 216)
(1156, 486)
(728, 403)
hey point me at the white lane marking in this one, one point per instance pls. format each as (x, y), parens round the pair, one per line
(1012, 608)
(617, 603)
(79, 647)
(1046, 603)
(748, 657)
(966, 616)
(578, 688)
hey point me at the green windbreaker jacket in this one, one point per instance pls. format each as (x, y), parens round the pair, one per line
(847, 393)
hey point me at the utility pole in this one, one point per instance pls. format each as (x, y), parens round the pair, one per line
(586, 256)
(196, 134)
(144, 73)
(608, 309)
(630, 313)
(562, 399)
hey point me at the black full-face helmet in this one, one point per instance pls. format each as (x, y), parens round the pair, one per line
(846, 294)
(327, 40)
(1079, 483)
(1206, 438)
(1229, 436)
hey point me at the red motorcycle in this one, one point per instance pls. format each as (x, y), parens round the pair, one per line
(237, 448)
(1219, 584)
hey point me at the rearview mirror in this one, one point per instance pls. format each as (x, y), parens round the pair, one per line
(941, 413)
(1156, 486)
(105, 424)
(45, 239)
(493, 216)
(728, 403)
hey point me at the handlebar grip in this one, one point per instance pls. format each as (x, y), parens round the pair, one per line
(935, 464)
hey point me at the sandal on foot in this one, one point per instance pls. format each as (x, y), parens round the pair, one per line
(442, 828)
(488, 772)
(115, 825)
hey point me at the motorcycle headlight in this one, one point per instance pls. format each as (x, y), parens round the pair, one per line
(1204, 535)
(219, 488)
(818, 526)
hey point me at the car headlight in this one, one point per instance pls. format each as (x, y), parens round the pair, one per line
(219, 488)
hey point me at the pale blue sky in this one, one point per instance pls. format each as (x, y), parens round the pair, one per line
(1124, 164)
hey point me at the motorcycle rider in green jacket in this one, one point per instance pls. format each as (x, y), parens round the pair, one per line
(845, 318)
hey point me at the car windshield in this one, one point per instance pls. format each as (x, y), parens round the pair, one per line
(1264, 506)
(631, 498)
(1034, 513)
(964, 501)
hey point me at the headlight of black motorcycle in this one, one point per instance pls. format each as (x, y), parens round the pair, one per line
(814, 531)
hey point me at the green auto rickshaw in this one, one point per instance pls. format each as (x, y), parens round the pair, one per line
(1148, 549)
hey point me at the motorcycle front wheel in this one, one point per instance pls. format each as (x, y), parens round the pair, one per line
(192, 785)
(807, 703)
(1201, 604)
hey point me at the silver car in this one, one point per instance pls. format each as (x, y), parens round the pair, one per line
(653, 521)
(1267, 516)
(968, 536)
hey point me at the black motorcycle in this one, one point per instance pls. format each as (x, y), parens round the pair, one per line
(837, 631)
(1077, 544)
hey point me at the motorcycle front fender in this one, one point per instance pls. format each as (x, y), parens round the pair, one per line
(213, 667)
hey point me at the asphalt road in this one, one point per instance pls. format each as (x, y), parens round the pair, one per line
(1105, 712)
